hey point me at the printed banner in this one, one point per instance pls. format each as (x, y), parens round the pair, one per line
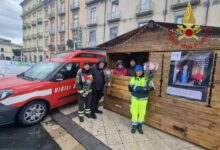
(190, 73)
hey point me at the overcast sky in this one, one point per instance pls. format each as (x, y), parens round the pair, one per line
(10, 20)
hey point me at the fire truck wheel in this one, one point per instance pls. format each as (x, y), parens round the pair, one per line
(32, 113)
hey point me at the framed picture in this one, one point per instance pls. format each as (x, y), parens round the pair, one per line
(190, 74)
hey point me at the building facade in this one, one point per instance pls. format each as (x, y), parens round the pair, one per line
(9, 51)
(107, 19)
(49, 24)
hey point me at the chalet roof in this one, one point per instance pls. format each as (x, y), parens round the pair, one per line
(151, 26)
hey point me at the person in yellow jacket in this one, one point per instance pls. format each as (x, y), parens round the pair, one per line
(140, 87)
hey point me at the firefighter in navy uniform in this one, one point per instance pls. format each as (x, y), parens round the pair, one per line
(97, 87)
(84, 81)
(139, 86)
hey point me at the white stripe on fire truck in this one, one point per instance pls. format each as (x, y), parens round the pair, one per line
(24, 97)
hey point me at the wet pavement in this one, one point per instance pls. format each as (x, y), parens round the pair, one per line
(26, 138)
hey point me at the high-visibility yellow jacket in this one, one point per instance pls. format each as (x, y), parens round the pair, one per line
(140, 87)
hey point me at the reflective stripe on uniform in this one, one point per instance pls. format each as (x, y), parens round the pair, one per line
(88, 111)
(134, 123)
(80, 91)
(81, 113)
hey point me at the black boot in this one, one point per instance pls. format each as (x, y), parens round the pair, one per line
(81, 119)
(98, 111)
(93, 116)
(140, 130)
(88, 115)
(134, 128)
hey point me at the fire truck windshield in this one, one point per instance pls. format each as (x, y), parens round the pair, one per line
(40, 70)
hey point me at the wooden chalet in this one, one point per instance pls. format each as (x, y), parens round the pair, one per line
(194, 117)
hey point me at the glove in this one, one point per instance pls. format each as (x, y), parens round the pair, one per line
(151, 89)
(146, 89)
(85, 94)
(138, 89)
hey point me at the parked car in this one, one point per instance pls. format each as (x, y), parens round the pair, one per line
(29, 96)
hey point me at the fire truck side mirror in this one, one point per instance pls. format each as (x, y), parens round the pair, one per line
(58, 77)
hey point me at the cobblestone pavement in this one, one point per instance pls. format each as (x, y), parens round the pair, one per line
(113, 130)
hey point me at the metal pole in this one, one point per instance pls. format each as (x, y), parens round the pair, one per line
(37, 54)
(37, 51)
(21, 54)
(74, 45)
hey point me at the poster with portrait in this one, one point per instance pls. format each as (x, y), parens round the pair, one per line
(190, 74)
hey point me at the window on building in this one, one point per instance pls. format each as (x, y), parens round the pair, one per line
(52, 41)
(41, 57)
(92, 15)
(40, 43)
(92, 38)
(144, 4)
(62, 40)
(115, 6)
(2, 49)
(62, 24)
(75, 21)
(46, 42)
(46, 12)
(113, 32)
(40, 13)
(52, 8)
(30, 59)
(178, 19)
(46, 26)
(52, 26)
(62, 6)
(40, 27)
(35, 58)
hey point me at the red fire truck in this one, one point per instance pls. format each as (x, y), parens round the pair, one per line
(29, 96)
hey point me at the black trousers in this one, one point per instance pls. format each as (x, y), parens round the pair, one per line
(96, 96)
(84, 104)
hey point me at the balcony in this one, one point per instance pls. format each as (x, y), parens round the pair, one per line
(34, 23)
(51, 47)
(114, 16)
(28, 37)
(39, 35)
(39, 20)
(62, 12)
(91, 44)
(75, 26)
(179, 4)
(62, 29)
(24, 26)
(74, 6)
(34, 36)
(52, 15)
(144, 10)
(90, 2)
(28, 25)
(92, 22)
(52, 32)
(61, 47)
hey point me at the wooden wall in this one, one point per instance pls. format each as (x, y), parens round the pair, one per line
(187, 119)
